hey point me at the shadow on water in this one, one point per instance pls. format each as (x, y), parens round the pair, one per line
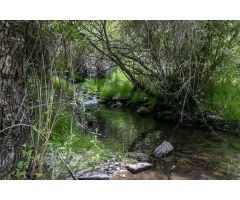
(196, 155)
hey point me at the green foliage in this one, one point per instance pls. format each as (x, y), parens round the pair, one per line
(64, 86)
(81, 150)
(63, 126)
(223, 94)
(151, 102)
(117, 85)
(90, 86)
(168, 59)
(68, 29)
(23, 164)
(138, 96)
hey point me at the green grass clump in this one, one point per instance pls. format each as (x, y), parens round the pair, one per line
(224, 99)
(117, 85)
(137, 97)
(222, 96)
(67, 130)
(92, 86)
(83, 150)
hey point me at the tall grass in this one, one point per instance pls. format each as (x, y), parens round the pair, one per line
(117, 85)
(223, 94)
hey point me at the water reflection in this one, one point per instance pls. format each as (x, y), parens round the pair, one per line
(197, 154)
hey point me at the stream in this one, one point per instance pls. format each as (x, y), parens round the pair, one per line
(198, 154)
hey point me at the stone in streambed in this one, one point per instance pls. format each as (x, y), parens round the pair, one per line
(163, 150)
(143, 110)
(95, 177)
(138, 167)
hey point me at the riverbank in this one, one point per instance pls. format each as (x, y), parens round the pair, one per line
(198, 153)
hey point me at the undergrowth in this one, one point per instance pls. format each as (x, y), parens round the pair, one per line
(118, 86)
(222, 96)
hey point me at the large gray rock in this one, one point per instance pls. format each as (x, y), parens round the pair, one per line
(138, 167)
(143, 110)
(163, 150)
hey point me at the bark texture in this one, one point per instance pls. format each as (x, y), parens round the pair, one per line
(13, 105)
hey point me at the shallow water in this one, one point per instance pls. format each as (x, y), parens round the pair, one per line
(198, 154)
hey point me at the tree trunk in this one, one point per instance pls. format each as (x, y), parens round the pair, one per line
(14, 115)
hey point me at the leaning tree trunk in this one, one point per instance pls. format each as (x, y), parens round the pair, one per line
(14, 115)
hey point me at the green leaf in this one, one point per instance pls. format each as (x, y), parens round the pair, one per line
(39, 175)
(20, 165)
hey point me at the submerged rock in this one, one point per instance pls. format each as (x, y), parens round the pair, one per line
(118, 104)
(143, 110)
(163, 150)
(138, 167)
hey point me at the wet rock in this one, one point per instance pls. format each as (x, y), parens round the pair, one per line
(140, 157)
(143, 110)
(163, 150)
(138, 167)
(95, 177)
(103, 171)
(118, 104)
(115, 98)
(213, 117)
(91, 102)
(146, 175)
